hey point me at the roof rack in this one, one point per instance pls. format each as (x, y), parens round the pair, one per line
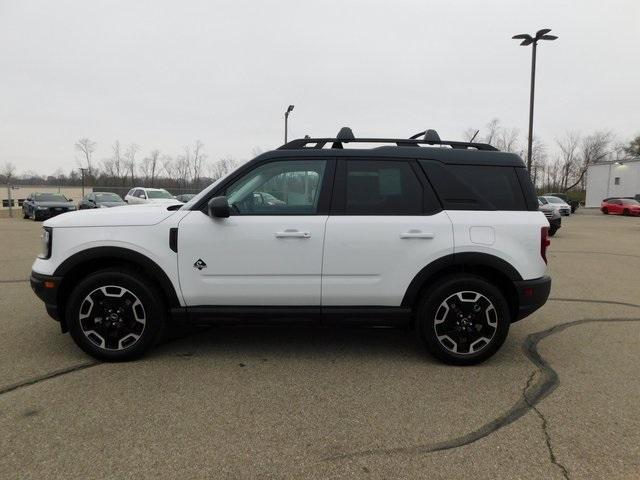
(346, 135)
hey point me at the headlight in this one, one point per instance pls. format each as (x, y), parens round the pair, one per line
(71, 207)
(45, 240)
(102, 206)
(43, 208)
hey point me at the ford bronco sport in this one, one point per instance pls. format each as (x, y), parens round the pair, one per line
(441, 236)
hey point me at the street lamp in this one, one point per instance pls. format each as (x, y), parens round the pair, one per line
(286, 121)
(529, 40)
(82, 171)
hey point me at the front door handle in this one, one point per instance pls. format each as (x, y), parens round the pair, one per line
(417, 234)
(291, 233)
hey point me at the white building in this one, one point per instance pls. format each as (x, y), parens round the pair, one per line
(612, 179)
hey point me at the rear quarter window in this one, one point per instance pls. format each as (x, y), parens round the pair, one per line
(480, 187)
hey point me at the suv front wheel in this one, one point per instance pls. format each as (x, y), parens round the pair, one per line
(463, 320)
(115, 315)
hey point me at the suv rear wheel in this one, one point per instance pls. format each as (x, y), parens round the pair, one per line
(463, 320)
(115, 315)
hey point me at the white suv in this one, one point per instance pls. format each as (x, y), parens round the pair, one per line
(149, 195)
(448, 240)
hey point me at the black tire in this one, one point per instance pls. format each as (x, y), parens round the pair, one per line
(605, 211)
(110, 338)
(625, 212)
(25, 215)
(431, 307)
(552, 231)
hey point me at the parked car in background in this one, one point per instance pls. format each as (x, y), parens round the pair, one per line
(40, 206)
(185, 197)
(574, 204)
(562, 207)
(620, 206)
(139, 195)
(101, 200)
(553, 217)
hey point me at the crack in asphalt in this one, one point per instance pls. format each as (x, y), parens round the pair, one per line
(48, 376)
(82, 366)
(547, 437)
(595, 252)
(541, 389)
(580, 300)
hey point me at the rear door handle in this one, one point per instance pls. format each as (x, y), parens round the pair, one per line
(290, 233)
(417, 234)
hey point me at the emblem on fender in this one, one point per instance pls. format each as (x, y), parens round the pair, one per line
(200, 264)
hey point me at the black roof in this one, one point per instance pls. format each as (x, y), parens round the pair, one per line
(429, 148)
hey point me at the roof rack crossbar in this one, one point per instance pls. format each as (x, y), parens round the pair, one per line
(302, 143)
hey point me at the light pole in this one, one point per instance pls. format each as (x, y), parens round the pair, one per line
(529, 40)
(82, 170)
(286, 121)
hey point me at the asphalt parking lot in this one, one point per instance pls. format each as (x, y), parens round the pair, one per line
(560, 400)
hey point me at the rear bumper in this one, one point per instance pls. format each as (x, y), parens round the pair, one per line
(532, 294)
(46, 289)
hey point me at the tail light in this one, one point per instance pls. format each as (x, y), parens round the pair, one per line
(544, 242)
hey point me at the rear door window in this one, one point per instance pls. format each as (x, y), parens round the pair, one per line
(379, 187)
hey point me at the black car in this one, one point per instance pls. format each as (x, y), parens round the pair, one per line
(40, 206)
(101, 200)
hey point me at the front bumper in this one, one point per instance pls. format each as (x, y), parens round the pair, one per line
(46, 288)
(532, 294)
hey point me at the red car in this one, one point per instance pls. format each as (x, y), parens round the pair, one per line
(620, 206)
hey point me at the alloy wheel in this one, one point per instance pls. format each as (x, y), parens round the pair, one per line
(112, 317)
(466, 322)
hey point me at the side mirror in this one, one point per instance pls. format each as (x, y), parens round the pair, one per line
(219, 207)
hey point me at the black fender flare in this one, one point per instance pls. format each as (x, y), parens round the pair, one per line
(457, 262)
(99, 254)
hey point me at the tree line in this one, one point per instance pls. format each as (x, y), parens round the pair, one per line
(558, 167)
(127, 166)
(562, 165)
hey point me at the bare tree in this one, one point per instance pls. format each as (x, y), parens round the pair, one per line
(568, 146)
(222, 167)
(149, 166)
(197, 162)
(119, 167)
(255, 151)
(183, 167)
(86, 147)
(168, 166)
(130, 160)
(8, 171)
(506, 139)
(593, 149)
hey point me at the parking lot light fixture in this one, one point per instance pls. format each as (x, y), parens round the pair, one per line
(286, 120)
(526, 41)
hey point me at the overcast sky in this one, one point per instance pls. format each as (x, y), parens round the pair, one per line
(163, 74)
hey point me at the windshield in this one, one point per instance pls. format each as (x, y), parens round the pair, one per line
(50, 197)
(108, 197)
(554, 200)
(158, 194)
(630, 202)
